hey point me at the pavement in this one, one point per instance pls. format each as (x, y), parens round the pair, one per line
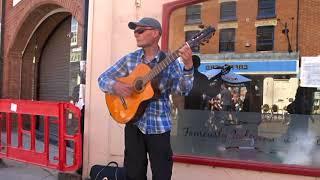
(15, 170)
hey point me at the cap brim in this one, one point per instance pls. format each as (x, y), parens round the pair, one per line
(132, 25)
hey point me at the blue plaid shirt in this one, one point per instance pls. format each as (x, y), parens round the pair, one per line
(157, 117)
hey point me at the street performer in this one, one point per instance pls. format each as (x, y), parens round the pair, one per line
(150, 133)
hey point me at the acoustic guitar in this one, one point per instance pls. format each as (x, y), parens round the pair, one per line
(125, 109)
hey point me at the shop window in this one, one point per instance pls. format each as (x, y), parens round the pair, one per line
(227, 40)
(189, 35)
(74, 32)
(266, 8)
(193, 14)
(265, 38)
(270, 118)
(228, 11)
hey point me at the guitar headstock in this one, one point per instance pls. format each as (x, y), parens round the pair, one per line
(202, 37)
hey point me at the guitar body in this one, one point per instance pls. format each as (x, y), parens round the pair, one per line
(125, 109)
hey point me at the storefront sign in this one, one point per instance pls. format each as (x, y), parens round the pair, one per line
(255, 67)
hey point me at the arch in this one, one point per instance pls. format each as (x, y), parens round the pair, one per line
(32, 53)
(59, 10)
(32, 13)
(21, 23)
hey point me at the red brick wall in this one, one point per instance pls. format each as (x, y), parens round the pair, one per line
(309, 27)
(20, 22)
(247, 10)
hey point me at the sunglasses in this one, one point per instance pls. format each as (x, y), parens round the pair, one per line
(141, 30)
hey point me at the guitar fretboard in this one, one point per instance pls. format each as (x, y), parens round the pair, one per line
(161, 66)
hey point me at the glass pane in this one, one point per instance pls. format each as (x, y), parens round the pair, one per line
(265, 38)
(77, 65)
(227, 37)
(246, 104)
(193, 14)
(266, 8)
(228, 10)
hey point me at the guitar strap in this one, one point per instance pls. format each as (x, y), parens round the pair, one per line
(156, 81)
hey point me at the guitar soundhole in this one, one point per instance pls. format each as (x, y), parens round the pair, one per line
(138, 85)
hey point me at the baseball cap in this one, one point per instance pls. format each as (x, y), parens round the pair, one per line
(146, 21)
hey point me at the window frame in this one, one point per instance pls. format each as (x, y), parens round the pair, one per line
(228, 7)
(222, 42)
(264, 6)
(196, 12)
(265, 30)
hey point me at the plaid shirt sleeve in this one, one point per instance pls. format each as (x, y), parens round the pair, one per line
(182, 80)
(108, 78)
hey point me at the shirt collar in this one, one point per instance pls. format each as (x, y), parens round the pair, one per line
(141, 55)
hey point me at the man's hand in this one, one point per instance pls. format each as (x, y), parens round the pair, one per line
(186, 54)
(122, 89)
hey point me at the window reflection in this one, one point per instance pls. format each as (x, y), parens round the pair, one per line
(266, 8)
(227, 40)
(265, 38)
(77, 66)
(228, 11)
(193, 14)
(246, 102)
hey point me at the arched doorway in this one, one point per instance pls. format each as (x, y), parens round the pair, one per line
(53, 80)
(51, 64)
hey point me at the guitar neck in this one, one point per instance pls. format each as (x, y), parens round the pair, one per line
(161, 66)
(196, 40)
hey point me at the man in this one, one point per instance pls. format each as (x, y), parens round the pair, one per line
(197, 98)
(225, 98)
(150, 133)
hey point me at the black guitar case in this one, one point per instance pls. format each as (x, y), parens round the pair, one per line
(111, 171)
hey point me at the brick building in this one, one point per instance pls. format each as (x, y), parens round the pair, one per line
(300, 17)
(238, 25)
(42, 48)
(43, 51)
(262, 39)
(308, 32)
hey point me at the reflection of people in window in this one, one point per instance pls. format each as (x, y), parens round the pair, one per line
(236, 101)
(303, 101)
(197, 96)
(251, 102)
(226, 100)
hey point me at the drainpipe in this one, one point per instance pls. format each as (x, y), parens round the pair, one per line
(1, 44)
(85, 29)
(297, 32)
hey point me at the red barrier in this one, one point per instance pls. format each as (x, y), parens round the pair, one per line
(15, 114)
